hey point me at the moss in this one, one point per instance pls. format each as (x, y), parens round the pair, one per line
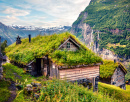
(45, 45)
(123, 67)
(107, 69)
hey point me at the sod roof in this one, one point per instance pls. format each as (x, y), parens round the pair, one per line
(48, 45)
(108, 67)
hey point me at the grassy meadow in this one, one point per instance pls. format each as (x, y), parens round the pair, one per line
(58, 90)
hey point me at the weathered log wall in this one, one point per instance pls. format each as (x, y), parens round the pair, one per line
(79, 73)
(118, 78)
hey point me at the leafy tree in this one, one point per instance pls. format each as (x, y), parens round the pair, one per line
(127, 77)
(3, 46)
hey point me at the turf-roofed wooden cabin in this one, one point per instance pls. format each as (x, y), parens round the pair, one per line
(59, 55)
(113, 73)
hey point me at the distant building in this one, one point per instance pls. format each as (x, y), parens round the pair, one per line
(113, 73)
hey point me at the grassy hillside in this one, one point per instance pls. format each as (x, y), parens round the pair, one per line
(111, 18)
(57, 90)
(115, 92)
(10, 34)
(45, 45)
(4, 92)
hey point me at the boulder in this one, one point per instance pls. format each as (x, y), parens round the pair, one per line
(36, 95)
(28, 89)
(1, 76)
(36, 84)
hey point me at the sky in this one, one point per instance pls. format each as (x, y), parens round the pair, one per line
(41, 13)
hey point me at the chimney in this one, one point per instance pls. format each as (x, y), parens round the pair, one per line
(18, 40)
(114, 60)
(29, 38)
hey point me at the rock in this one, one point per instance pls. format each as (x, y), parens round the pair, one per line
(29, 85)
(36, 84)
(28, 89)
(36, 95)
(1, 76)
(1, 70)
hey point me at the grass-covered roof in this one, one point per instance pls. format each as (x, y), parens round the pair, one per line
(108, 67)
(48, 45)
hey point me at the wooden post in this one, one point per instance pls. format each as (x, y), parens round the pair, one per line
(48, 67)
(95, 83)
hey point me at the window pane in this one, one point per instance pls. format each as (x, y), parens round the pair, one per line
(68, 45)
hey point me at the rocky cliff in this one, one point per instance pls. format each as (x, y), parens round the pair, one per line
(104, 24)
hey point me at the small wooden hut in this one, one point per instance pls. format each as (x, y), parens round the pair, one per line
(59, 55)
(113, 73)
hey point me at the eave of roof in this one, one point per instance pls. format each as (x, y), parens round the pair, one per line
(122, 67)
(70, 38)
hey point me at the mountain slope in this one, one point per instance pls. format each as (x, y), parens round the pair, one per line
(109, 24)
(10, 33)
(107, 14)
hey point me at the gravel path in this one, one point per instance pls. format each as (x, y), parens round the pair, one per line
(12, 89)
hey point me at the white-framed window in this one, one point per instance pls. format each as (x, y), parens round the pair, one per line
(68, 45)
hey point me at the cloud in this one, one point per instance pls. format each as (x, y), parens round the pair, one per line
(8, 19)
(44, 12)
(63, 9)
(15, 12)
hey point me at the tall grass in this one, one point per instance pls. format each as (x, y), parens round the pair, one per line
(63, 91)
(17, 74)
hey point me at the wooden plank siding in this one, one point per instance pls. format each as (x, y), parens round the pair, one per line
(79, 73)
(73, 47)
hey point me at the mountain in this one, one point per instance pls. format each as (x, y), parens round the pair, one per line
(105, 24)
(10, 33)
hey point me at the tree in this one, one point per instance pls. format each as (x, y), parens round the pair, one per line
(3, 46)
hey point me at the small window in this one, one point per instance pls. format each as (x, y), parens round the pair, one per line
(68, 45)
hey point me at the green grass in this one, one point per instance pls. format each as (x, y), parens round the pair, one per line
(48, 45)
(115, 92)
(4, 92)
(21, 78)
(63, 91)
(58, 90)
(17, 74)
